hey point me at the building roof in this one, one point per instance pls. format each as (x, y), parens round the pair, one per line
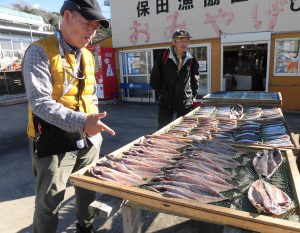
(15, 16)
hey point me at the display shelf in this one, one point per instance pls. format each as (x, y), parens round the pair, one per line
(247, 218)
(253, 98)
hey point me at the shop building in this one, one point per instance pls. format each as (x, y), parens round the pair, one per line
(17, 31)
(240, 45)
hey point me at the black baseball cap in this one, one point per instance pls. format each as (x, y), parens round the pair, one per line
(180, 33)
(89, 9)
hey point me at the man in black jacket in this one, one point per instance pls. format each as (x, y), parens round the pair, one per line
(175, 78)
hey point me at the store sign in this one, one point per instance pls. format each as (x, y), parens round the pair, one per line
(234, 1)
(150, 22)
(20, 17)
(295, 5)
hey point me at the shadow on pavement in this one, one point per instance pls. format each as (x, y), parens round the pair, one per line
(192, 226)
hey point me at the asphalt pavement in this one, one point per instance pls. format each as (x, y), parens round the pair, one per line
(130, 121)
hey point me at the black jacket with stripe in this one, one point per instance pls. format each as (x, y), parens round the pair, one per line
(175, 89)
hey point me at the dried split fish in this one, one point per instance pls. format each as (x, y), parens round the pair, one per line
(268, 199)
(109, 174)
(200, 193)
(237, 112)
(217, 148)
(267, 162)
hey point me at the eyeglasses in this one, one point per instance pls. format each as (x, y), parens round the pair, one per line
(94, 25)
(183, 40)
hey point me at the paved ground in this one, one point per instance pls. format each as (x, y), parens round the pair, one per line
(130, 121)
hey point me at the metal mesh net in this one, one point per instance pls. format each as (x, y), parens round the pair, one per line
(246, 175)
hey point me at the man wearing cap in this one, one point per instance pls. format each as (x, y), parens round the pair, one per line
(175, 77)
(64, 123)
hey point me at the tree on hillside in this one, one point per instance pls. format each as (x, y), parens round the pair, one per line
(51, 18)
(54, 18)
(54, 21)
(102, 34)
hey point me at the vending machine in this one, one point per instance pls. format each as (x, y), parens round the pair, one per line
(105, 71)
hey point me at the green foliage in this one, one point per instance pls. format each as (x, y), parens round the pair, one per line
(102, 34)
(54, 18)
(54, 21)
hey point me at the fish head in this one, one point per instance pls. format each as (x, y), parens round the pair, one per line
(276, 152)
(159, 188)
(109, 163)
(259, 154)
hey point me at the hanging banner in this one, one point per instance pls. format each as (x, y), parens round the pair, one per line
(151, 22)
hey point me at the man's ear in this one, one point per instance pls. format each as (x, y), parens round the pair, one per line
(67, 15)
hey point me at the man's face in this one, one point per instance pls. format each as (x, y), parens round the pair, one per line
(80, 30)
(181, 44)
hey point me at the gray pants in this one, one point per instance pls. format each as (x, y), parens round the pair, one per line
(52, 174)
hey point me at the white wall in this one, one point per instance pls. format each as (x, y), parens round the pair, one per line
(223, 17)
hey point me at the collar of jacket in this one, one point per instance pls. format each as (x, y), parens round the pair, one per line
(172, 56)
(67, 47)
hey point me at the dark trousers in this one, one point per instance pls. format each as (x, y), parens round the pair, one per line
(167, 112)
(52, 174)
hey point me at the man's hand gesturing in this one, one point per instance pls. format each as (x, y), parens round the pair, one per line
(93, 125)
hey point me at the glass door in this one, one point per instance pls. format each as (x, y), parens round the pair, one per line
(135, 72)
(202, 54)
(136, 69)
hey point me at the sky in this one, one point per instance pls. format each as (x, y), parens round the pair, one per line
(48, 5)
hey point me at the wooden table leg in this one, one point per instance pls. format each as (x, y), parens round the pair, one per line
(131, 219)
(105, 207)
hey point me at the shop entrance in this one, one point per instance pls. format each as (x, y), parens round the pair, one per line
(245, 67)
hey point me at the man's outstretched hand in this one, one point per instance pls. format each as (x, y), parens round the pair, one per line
(94, 125)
